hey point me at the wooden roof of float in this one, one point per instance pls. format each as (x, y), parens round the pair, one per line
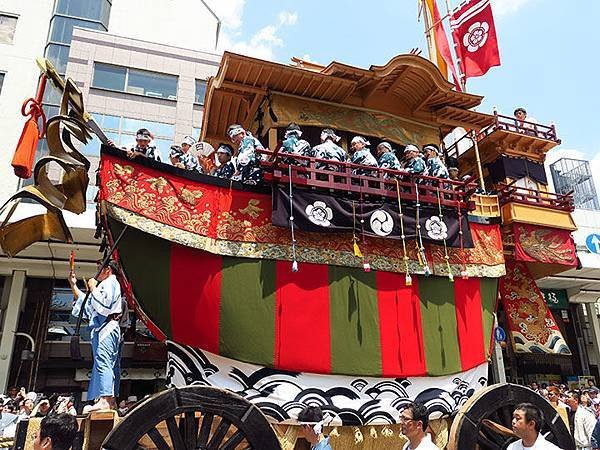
(408, 86)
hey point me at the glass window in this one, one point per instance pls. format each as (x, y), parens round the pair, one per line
(61, 29)
(163, 129)
(8, 24)
(86, 9)
(58, 54)
(1, 80)
(52, 95)
(109, 77)
(196, 133)
(200, 92)
(50, 111)
(152, 84)
(132, 125)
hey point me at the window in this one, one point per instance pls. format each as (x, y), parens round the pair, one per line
(86, 9)
(134, 81)
(1, 81)
(8, 24)
(58, 54)
(200, 92)
(121, 130)
(109, 77)
(61, 28)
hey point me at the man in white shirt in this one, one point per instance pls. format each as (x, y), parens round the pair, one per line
(584, 421)
(527, 423)
(414, 420)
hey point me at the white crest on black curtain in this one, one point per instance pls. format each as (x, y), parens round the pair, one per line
(381, 222)
(319, 213)
(436, 228)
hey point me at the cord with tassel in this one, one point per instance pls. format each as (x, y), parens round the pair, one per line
(446, 256)
(294, 261)
(407, 277)
(419, 237)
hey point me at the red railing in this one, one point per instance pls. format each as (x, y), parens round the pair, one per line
(515, 194)
(506, 123)
(381, 182)
(525, 127)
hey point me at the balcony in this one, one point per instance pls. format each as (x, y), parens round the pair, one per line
(534, 207)
(303, 171)
(509, 137)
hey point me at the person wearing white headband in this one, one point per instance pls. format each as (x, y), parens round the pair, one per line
(226, 169)
(312, 421)
(434, 166)
(413, 162)
(360, 154)
(247, 161)
(387, 158)
(142, 146)
(181, 156)
(294, 145)
(328, 149)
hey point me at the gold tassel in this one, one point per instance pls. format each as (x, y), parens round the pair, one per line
(357, 251)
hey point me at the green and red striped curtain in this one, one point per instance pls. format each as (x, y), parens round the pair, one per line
(322, 319)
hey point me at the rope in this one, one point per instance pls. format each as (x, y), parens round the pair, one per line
(294, 261)
(419, 238)
(446, 257)
(407, 277)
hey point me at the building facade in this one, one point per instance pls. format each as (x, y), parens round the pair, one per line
(127, 84)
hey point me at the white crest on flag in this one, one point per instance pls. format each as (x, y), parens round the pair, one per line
(319, 213)
(436, 228)
(476, 36)
(381, 222)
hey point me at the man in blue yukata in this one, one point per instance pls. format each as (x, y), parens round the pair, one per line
(103, 309)
(311, 419)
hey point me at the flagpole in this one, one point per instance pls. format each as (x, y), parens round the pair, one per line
(463, 83)
(428, 31)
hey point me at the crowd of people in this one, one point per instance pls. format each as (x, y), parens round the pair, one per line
(578, 408)
(17, 405)
(239, 160)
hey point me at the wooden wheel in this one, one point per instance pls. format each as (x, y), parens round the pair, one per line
(193, 417)
(484, 421)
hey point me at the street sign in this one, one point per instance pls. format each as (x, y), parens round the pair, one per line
(499, 334)
(556, 298)
(593, 243)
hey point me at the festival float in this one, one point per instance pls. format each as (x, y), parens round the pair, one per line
(357, 293)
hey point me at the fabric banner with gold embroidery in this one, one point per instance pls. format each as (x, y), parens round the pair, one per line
(531, 324)
(226, 218)
(541, 244)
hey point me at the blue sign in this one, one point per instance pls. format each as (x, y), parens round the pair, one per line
(593, 243)
(499, 334)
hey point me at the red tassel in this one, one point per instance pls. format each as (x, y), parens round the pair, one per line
(25, 153)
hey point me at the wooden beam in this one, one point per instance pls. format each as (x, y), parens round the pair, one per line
(242, 88)
(425, 99)
(398, 80)
(251, 110)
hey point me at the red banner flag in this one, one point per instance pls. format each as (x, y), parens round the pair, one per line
(474, 33)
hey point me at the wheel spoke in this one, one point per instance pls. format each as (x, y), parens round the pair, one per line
(235, 439)
(189, 428)
(219, 435)
(207, 420)
(486, 443)
(175, 434)
(157, 439)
